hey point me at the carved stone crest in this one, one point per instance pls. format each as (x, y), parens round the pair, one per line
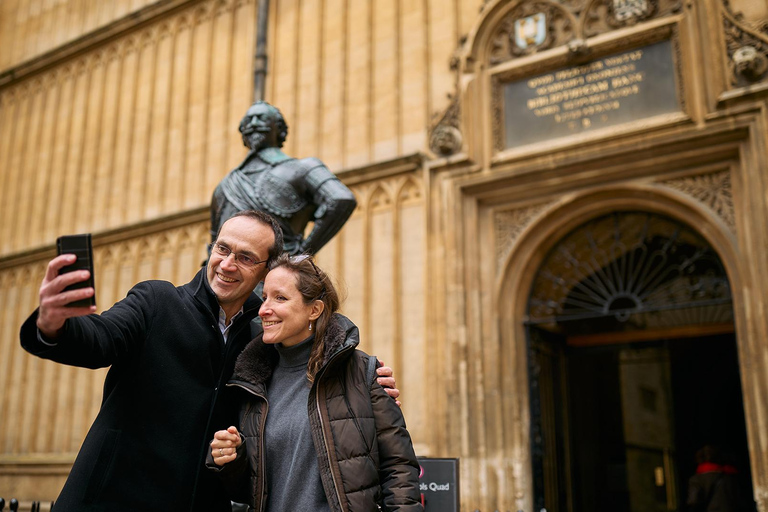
(530, 27)
(530, 31)
(626, 10)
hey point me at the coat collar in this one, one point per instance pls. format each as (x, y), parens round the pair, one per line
(256, 362)
(201, 290)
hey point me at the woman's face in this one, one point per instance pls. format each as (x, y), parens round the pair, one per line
(284, 315)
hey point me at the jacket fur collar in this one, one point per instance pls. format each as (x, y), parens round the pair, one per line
(256, 362)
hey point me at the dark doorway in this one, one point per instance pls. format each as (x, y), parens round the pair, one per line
(639, 412)
(633, 367)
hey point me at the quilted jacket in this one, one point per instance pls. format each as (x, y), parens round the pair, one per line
(371, 468)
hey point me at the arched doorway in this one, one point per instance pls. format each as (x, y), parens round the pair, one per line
(633, 366)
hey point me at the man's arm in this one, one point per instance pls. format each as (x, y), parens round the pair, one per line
(398, 466)
(67, 336)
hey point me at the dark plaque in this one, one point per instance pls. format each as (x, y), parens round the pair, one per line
(439, 484)
(616, 89)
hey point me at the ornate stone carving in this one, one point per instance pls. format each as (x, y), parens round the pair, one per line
(714, 190)
(605, 15)
(445, 138)
(761, 497)
(508, 226)
(529, 28)
(747, 47)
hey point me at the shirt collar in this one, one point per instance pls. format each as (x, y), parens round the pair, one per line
(223, 326)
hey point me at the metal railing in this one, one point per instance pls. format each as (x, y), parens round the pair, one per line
(26, 506)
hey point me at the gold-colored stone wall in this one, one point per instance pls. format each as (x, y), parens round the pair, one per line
(124, 131)
(119, 118)
(132, 130)
(29, 28)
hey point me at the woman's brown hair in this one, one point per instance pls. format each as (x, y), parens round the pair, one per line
(313, 284)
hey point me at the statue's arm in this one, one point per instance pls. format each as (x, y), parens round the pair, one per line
(217, 206)
(335, 203)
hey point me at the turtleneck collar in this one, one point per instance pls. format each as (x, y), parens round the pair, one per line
(296, 355)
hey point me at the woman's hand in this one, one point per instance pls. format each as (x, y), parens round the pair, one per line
(224, 446)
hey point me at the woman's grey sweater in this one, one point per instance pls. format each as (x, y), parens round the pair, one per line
(293, 477)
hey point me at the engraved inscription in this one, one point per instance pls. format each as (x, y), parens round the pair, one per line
(616, 89)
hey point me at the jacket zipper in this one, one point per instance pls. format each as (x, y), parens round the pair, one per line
(262, 465)
(322, 428)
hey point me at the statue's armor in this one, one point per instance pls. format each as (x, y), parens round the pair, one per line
(293, 191)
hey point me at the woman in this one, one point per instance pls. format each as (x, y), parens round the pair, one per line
(316, 432)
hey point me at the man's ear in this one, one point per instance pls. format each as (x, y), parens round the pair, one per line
(318, 307)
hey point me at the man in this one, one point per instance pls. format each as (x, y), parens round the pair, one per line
(295, 192)
(171, 350)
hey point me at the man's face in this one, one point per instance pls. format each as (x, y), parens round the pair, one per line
(260, 128)
(231, 281)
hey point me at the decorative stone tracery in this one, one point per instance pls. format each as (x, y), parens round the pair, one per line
(713, 190)
(510, 224)
(568, 22)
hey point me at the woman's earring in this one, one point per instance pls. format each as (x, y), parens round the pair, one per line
(310, 326)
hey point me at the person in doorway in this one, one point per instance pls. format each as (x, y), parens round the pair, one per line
(714, 487)
(171, 350)
(314, 432)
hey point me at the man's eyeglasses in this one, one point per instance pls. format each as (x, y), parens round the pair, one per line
(240, 258)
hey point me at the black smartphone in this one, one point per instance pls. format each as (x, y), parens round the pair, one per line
(80, 246)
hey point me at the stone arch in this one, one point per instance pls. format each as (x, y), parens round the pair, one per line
(518, 270)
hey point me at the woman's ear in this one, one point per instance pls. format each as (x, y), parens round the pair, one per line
(316, 310)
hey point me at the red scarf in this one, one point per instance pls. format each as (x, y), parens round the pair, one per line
(711, 467)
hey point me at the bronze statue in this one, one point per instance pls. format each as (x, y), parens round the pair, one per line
(294, 191)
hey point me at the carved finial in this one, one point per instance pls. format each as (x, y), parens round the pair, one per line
(446, 139)
(749, 63)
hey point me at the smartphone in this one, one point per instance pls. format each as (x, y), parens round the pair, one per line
(80, 246)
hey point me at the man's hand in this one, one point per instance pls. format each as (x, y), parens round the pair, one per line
(224, 446)
(387, 380)
(53, 300)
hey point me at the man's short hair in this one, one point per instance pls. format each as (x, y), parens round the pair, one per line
(266, 219)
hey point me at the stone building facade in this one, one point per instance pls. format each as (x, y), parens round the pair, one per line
(560, 241)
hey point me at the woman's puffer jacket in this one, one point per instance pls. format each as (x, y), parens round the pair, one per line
(356, 428)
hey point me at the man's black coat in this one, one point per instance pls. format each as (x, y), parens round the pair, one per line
(146, 448)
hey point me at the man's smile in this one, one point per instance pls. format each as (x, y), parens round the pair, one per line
(225, 278)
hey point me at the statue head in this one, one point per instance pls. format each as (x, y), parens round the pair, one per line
(263, 126)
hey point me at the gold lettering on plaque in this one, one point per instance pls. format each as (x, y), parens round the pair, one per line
(580, 93)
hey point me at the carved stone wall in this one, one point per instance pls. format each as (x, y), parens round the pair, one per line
(141, 127)
(29, 28)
